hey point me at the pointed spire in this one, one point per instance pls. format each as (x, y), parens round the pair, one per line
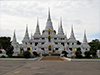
(49, 23)
(37, 28)
(49, 18)
(60, 30)
(84, 39)
(72, 33)
(31, 35)
(60, 21)
(58, 27)
(26, 37)
(14, 37)
(66, 34)
(26, 34)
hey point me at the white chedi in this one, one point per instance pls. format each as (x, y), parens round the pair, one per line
(49, 40)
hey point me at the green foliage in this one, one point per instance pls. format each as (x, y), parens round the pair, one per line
(79, 49)
(2, 56)
(26, 54)
(93, 53)
(87, 54)
(65, 53)
(95, 45)
(5, 43)
(78, 54)
(17, 56)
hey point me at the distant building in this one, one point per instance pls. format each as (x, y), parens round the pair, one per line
(49, 41)
(98, 53)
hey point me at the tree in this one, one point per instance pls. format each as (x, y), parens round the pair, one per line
(94, 46)
(26, 54)
(79, 49)
(87, 54)
(93, 53)
(5, 43)
(78, 53)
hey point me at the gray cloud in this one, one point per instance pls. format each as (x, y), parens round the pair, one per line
(82, 14)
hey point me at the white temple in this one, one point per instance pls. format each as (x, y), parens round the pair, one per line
(49, 41)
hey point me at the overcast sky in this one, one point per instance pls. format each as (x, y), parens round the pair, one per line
(83, 14)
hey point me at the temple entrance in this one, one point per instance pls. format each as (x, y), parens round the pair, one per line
(50, 50)
(49, 47)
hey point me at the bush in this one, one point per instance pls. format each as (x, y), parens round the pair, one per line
(26, 54)
(17, 56)
(10, 55)
(65, 53)
(78, 54)
(3, 56)
(87, 54)
(93, 53)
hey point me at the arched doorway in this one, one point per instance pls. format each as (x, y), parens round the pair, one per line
(49, 47)
(35, 54)
(50, 50)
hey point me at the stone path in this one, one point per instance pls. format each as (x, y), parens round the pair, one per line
(53, 67)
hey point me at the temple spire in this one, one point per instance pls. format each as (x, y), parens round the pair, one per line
(14, 37)
(60, 30)
(72, 33)
(37, 28)
(49, 23)
(26, 37)
(84, 39)
(31, 35)
(66, 34)
(26, 34)
(49, 18)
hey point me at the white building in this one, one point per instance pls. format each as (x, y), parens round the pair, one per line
(98, 53)
(49, 40)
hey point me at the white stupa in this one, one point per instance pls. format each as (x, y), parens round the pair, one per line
(49, 40)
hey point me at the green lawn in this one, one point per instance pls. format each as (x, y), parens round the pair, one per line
(96, 58)
(85, 58)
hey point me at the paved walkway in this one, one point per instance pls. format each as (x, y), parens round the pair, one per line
(32, 67)
(56, 58)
